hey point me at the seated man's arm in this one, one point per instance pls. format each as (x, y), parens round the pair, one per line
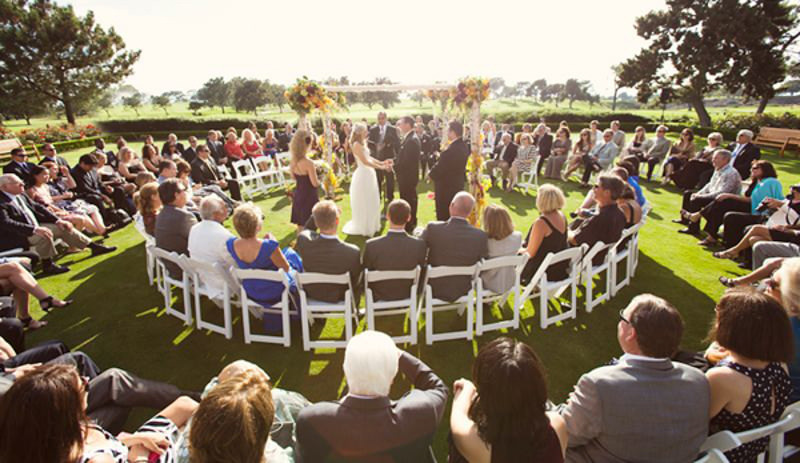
(424, 379)
(9, 225)
(582, 413)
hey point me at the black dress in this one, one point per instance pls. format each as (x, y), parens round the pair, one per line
(548, 452)
(554, 242)
(305, 196)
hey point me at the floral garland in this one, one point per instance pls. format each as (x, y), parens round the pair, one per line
(468, 91)
(306, 95)
(478, 185)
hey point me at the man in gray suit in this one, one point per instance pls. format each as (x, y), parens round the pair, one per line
(396, 251)
(644, 407)
(324, 252)
(455, 243)
(174, 222)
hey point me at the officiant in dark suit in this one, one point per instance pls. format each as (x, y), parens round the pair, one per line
(450, 172)
(384, 143)
(407, 167)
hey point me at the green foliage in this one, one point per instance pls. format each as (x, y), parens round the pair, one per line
(50, 50)
(133, 101)
(250, 95)
(215, 92)
(104, 101)
(162, 101)
(754, 122)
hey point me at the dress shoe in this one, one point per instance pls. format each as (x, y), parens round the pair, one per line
(681, 221)
(99, 249)
(54, 269)
(688, 231)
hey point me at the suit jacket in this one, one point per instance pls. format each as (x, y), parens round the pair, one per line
(87, 183)
(60, 161)
(510, 153)
(499, 137)
(376, 429)
(407, 164)
(15, 229)
(545, 144)
(426, 143)
(450, 172)
(165, 148)
(331, 256)
(189, 154)
(454, 243)
(21, 170)
(742, 162)
(205, 173)
(397, 250)
(391, 142)
(172, 232)
(217, 151)
(283, 141)
(638, 410)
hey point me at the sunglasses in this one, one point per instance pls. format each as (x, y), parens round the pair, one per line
(622, 317)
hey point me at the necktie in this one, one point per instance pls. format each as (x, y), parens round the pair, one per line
(213, 173)
(26, 211)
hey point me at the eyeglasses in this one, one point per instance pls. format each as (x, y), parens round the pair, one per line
(622, 317)
(85, 384)
(22, 155)
(597, 185)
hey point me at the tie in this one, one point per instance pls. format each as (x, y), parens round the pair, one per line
(26, 211)
(213, 172)
(383, 133)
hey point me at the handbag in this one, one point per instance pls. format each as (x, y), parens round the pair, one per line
(785, 215)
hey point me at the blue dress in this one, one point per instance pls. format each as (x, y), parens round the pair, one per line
(266, 292)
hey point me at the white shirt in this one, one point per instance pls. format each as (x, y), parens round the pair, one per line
(207, 244)
(642, 358)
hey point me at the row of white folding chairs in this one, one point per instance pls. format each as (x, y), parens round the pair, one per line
(725, 441)
(253, 179)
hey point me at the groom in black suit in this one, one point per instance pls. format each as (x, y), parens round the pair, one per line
(407, 167)
(449, 173)
(384, 143)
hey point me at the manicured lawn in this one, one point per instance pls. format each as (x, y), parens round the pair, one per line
(119, 320)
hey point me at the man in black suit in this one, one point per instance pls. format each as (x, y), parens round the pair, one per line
(100, 147)
(407, 167)
(19, 165)
(426, 143)
(366, 425)
(285, 137)
(544, 142)
(744, 152)
(324, 252)
(397, 250)
(384, 143)
(89, 188)
(24, 224)
(502, 158)
(205, 172)
(191, 152)
(216, 148)
(172, 139)
(450, 171)
(455, 243)
(507, 128)
(50, 155)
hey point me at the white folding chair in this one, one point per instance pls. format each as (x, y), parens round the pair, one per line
(722, 441)
(406, 306)
(311, 309)
(246, 176)
(486, 297)
(622, 252)
(218, 292)
(433, 304)
(648, 206)
(530, 179)
(590, 270)
(10, 252)
(150, 261)
(168, 281)
(269, 178)
(712, 456)
(633, 259)
(545, 289)
(284, 159)
(224, 171)
(282, 307)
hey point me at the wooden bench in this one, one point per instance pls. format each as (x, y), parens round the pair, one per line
(7, 145)
(778, 138)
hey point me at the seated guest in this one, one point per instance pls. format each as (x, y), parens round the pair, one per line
(166, 169)
(285, 137)
(744, 152)
(503, 241)
(324, 252)
(143, 178)
(251, 252)
(190, 153)
(51, 400)
(110, 177)
(548, 234)
(148, 205)
(696, 172)
(216, 149)
(49, 154)
(172, 153)
(750, 386)
(644, 407)
(205, 172)
(597, 134)
(631, 166)
(397, 250)
(24, 224)
(82, 215)
(129, 166)
(724, 180)
(600, 158)
(502, 417)
(561, 148)
(174, 222)
(183, 173)
(366, 425)
(579, 151)
(251, 148)
(208, 238)
(657, 151)
(503, 157)
(680, 154)
(100, 149)
(91, 189)
(639, 145)
(150, 158)
(619, 135)
(522, 164)
(455, 243)
(19, 165)
(544, 142)
(233, 149)
(607, 224)
(269, 144)
(24, 285)
(736, 211)
(172, 147)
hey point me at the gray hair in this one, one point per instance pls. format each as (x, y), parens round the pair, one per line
(462, 204)
(7, 179)
(370, 363)
(212, 205)
(715, 136)
(662, 127)
(608, 131)
(745, 132)
(724, 153)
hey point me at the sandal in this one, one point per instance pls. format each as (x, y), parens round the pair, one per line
(47, 303)
(724, 255)
(727, 282)
(708, 241)
(31, 324)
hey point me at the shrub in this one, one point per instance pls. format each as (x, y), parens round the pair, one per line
(754, 122)
(49, 134)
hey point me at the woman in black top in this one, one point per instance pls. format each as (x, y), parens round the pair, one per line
(547, 234)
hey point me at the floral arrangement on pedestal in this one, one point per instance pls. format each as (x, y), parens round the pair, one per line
(469, 91)
(468, 96)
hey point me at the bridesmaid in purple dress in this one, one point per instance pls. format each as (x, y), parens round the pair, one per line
(306, 192)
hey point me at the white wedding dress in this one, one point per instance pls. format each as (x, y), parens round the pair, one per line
(365, 202)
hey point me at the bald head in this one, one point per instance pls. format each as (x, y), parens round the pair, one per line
(462, 204)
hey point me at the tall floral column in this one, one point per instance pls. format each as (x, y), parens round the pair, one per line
(468, 96)
(442, 99)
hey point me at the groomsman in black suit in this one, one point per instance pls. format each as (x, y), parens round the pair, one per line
(450, 172)
(426, 142)
(19, 165)
(285, 137)
(384, 143)
(407, 167)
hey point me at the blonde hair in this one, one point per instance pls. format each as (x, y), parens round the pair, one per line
(359, 133)
(497, 222)
(145, 199)
(325, 214)
(301, 141)
(247, 220)
(526, 136)
(549, 198)
(789, 273)
(248, 133)
(125, 154)
(233, 422)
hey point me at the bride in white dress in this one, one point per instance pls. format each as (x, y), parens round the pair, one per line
(365, 199)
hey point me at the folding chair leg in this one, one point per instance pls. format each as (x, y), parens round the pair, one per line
(470, 304)
(246, 319)
(428, 316)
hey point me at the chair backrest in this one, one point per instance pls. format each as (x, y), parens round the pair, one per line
(374, 276)
(517, 261)
(573, 255)
(789, 420)
(242, 168)
(722, 441)
(627, 233)
(648, 206)
(713, 456)
(595, 250)
(202, 269)
(170, 256)
(284, 157)
(448, 271)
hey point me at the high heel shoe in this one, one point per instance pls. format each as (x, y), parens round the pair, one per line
(47, 304)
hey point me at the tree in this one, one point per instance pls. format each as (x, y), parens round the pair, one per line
(419, 97)
(16, 101)
(249, 95)
(521, 89)
(575, 89)
(134, 102)
(554, 92)
(162, 101)
(275, 94)
(195, 106)
(58, 54)
(105, 101)
(215, 92)
(496, 85)
(537, 87)
(617, 69)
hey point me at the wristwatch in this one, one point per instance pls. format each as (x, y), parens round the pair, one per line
(141, 460)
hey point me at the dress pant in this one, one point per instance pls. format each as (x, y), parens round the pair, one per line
(443, 198)
(498, 164)
(12, 329)
(735, 225)
(651, 165)
(43, 353)
(408, 192)
(590, 165)
(217, 191)
(715, 212)
(689, 176)
(46, 247)
(694, 205)
(233, 188)
(704, 178)
(764, 250)
(122, 201)
(386, 177)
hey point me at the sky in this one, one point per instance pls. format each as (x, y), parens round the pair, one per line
(185, 43)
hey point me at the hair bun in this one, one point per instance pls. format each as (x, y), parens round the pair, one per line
(308, 140)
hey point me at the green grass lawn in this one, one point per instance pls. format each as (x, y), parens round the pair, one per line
(119, 320)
